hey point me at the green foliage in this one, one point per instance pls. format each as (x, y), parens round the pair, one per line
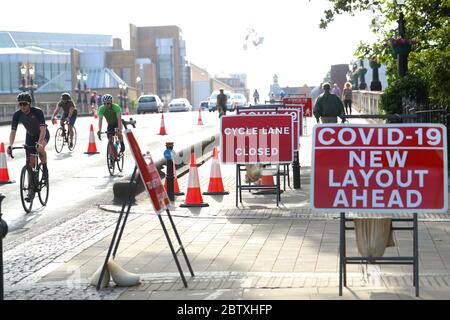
(410, 87)
(426, 21)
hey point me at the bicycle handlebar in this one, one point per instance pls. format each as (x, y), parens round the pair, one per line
(22, 147)
(132, 122)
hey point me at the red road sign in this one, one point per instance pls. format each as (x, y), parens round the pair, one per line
(257, 139)
(300, 121)
(305, 102)
(295, 113)
(379, 168)
(149, 174)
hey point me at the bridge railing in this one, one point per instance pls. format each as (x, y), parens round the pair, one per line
(367, 102)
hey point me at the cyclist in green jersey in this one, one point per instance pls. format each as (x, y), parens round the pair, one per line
(113, 115)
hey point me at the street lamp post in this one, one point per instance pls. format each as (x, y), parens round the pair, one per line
(362, 74)
(402, 58)
(31, 73)
(85, 91)
(121, 95)
(138, 85)
(23, 72)
(27, 73)
(78, 89)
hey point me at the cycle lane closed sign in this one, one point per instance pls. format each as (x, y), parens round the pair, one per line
(379, 168)
(257, 139)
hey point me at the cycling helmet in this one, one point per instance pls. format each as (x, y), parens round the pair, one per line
(107, 98)
(24, 96)
(66, 96)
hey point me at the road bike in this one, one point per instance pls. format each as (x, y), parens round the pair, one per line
(32, 181)
(62, 137)
(114, 157)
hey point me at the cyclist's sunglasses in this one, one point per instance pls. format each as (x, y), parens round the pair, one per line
(108, 103)
(23, 103)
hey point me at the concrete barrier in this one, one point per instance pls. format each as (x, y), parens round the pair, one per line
(203, 151)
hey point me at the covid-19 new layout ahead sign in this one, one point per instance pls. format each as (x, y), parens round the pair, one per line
(257, 139)
(379, 168)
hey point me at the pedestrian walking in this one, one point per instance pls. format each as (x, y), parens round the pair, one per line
(256, 96)
(328, 106)
(347, 97)
(222, 103)
(336, 90)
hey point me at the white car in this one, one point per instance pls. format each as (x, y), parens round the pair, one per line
(180, 104)
(238, 100)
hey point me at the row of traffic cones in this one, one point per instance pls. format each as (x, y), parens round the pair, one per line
(162, 127)
(194, 195)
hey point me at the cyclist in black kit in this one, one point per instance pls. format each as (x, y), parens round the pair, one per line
(37, 135)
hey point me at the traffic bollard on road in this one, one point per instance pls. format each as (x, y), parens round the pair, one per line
(168, 155)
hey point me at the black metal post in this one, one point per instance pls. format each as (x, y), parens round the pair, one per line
(3, 233)
(341, 251)
(375, 85)
(168, 155)
(416, 253)
(85, 100)
(296, 171)
(402, 58)
(363, 84)
(79, 93)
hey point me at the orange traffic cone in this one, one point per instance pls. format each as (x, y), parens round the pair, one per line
(162, 130)
(267, 181)
(200, 122)
(126, 110)
(4, 176)
(92, 148)
(176, 187)
(215, 178)
(194, 195)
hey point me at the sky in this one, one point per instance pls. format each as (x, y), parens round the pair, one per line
(294, 47)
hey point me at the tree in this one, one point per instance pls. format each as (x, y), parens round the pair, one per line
(427, 28)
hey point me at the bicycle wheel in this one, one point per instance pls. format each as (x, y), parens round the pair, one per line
(26, 190)
(43, 189)
(74, 139)
(110, 161)
(59, 140)
(120, 159)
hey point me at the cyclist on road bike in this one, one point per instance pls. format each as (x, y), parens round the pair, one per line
(37, 135)
(69, 113)
(113, 115)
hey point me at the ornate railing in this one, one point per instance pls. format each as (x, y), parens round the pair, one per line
(367, 102)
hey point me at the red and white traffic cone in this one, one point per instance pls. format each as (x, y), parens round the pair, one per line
(92, 148)
(4, 176)
(176, 187)
(200, 122)
(215, 178)
(194, 194)
(267, 181)
(162, 129)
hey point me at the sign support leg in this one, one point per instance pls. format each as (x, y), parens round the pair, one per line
(173, 250)
(113, 241)
(180, 243)
(296, 171)
(416, 253)
(341, 251)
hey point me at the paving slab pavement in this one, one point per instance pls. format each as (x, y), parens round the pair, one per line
(257, 251)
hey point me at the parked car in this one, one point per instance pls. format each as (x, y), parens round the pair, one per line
(204, 105)
(149, 103)
(238, 100)
(180, 104)
(212, 104)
